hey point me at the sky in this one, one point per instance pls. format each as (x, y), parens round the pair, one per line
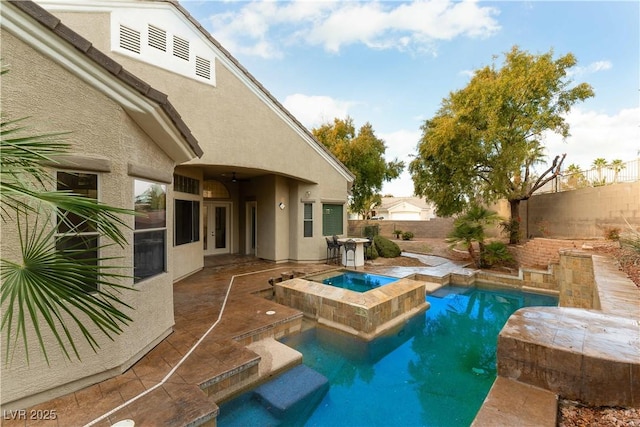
(391, 63)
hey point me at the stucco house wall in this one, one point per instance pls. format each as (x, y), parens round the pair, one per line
(99, 129)
(238, 126)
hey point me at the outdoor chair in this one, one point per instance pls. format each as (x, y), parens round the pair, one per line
(350, 246)
(333, 251)
(368, 252)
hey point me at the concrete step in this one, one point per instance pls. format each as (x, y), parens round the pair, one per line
(511, 403)
(298, 389)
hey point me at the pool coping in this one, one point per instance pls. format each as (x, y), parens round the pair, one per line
(363, 314)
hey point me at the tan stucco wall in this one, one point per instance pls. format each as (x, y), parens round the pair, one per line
(232, 125)
(58, 101)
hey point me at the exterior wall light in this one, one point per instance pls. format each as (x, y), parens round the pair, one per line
(282, 206)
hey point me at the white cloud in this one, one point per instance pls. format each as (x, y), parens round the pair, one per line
(262, 27)
(592, 68)
(596, 135)
(402, 145)
(313, 111)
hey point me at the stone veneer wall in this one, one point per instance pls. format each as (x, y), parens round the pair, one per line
(535, 280)
(364, 313)
(577, 281)
(590, 353)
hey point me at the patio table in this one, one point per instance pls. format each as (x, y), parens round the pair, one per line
(359, 250)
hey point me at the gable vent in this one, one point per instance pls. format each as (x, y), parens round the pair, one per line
(203, 68)
(129, 39)
(157, 38)
(180, 48)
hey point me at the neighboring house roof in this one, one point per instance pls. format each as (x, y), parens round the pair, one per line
(159, 133)
(391, 203)
(258, 85)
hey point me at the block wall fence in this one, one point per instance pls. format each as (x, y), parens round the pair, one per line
(585, 213)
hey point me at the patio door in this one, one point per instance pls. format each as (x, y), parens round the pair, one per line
(217, 226)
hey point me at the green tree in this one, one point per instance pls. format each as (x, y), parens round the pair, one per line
(370, 204)
(486, 139)
(49, 288)
(363, 155)
(469, 228)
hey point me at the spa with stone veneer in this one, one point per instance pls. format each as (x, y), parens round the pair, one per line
(365, 314)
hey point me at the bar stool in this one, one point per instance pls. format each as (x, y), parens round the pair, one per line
(350, 246)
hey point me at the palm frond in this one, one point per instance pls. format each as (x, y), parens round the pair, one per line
(48, 284)
(67, 292)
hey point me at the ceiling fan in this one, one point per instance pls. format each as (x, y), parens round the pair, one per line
(234, 178)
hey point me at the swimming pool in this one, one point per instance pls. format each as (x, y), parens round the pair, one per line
(435, 370)
(358, 281)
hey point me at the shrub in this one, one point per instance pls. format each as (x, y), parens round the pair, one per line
(496, 253)
(386, 248)
(372, 252)
(612, 233)
(371, 231)
(633, 240)
(407, 235)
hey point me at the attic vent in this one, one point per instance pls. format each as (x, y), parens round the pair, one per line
(157, 38)
(203, 68)
(180, 48)
(129, 39)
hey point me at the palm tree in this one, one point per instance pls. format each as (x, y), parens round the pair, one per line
(598, 164)
(575, 178)
(470, 227)
(62, 291)
(616, 165)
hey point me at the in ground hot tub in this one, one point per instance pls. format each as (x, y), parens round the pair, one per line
(357, 281)
(366, 314)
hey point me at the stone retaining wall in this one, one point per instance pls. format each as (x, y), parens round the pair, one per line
(540, 252)
(581, 353)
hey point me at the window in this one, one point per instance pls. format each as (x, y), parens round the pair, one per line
(184, 184)
(157, 38)
(149, 237)
(308, 220)
(181, 48)
(76, 237)
(187, 222)
(129, 39)
(331, 219)
(215, 190)
(203, 68)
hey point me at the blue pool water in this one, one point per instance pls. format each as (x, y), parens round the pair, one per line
(357, 281)
(435, 370)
